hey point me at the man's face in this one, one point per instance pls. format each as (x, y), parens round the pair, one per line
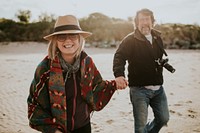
(144, 24)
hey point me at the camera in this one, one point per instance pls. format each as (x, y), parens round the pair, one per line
(164, 63)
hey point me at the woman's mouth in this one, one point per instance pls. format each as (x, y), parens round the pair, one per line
(68, 46)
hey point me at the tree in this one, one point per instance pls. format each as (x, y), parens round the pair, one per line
(23, 15)
(44, 17)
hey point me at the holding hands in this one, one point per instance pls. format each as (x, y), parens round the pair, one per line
(58, 131)
(121, 82)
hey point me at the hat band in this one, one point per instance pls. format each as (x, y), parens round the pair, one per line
(67, 27)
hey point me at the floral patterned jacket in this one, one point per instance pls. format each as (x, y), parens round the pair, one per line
(47, 110)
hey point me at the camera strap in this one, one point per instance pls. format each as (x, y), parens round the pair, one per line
(163, 51)
(161, 47)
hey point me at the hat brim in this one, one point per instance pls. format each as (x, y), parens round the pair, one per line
(82, 33)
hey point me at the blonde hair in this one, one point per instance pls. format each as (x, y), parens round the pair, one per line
(53, 49)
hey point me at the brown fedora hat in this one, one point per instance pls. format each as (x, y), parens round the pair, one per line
(67, 24)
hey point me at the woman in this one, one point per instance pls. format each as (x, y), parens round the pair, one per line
(67, 86)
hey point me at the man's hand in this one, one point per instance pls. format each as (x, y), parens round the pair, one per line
(121, 82)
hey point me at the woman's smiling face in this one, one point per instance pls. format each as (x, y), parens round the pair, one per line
(68, 44)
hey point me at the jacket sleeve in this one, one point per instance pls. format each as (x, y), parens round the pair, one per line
(102, 90)
(39, 112)
(119, 60)
(97, 91)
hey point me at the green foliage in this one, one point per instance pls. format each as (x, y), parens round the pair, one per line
(8, 29)
(17, 31)
(44, 17)
(38, 30)
(23, 15)
(106, 31)
(180, 36)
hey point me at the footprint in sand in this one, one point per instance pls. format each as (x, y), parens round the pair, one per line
(192, 113)
(177, 104)
(179, 114)
(191, 116)
(109, 121)
(123, 113)
(95, 126)
(196, 130)
(189, 102)
(173, 112)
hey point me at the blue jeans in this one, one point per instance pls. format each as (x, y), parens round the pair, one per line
(141, 98)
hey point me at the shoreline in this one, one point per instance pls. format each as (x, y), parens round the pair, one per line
(33, 47)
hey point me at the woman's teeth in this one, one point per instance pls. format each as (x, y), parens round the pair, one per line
(68, 46)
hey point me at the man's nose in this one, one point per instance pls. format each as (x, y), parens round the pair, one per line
(145, 22)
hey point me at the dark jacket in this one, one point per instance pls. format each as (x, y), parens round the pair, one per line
(141, 56)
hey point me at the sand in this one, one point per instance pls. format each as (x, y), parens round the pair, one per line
(19, 60)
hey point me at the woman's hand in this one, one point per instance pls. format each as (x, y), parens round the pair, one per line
(121, 82)
(58, 131)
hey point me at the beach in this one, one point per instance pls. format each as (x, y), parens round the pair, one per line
(19, 60)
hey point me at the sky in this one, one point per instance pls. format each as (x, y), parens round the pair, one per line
(165, 11)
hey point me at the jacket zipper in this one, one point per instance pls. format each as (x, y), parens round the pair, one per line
(74, 100)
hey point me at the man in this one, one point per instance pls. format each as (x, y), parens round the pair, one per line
(142, 49)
